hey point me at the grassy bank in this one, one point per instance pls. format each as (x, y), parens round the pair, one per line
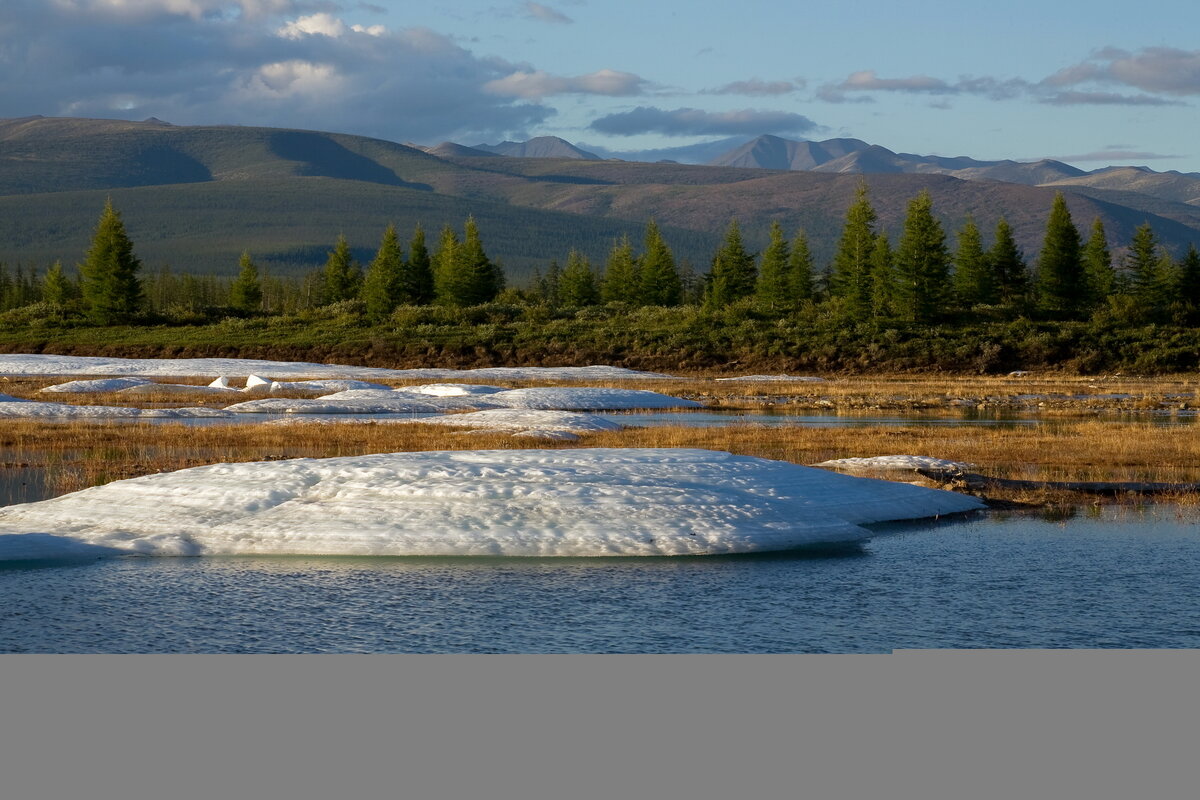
(82, 454)
(815, 339)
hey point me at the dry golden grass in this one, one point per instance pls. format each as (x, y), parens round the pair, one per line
(81, 454)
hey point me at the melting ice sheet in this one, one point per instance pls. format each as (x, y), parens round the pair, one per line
(586, 502)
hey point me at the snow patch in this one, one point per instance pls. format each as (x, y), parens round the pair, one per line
(99, 385)
(328, 386)
(899, 462)
(453, 389)
(586, 399)
(42, 410)
(576, 502)
(527, 420)
(769, 378)
(41, 364)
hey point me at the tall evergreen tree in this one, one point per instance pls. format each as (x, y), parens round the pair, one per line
(733, 274)
(245, 293)
(973, 277)
(1099, 278)
(774, 289)
(1149, 277)
(883, 277)
(1187, 288)
(416, 273)
(1009, 273)
(922, 263)
(577, 285)
(342, 276)
(1059, 284)
(466, 276)
(444, 264)
(660, 284)
(621, 282)
(800, 270)
(850, 272)
(382, 288)
(108, 276)
(57, 288)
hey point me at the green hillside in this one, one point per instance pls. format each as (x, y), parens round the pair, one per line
(196, 197)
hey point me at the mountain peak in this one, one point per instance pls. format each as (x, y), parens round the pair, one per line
(538, 147)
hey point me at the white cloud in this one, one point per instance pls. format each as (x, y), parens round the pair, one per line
(545, 13)
(304, 68)
(538, 84)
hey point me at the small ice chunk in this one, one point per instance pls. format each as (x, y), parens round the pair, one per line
(255, 383)
(221, 383)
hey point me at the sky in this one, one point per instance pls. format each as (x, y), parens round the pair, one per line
(1091, 83)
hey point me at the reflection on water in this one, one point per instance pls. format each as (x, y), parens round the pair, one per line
(1116, 578)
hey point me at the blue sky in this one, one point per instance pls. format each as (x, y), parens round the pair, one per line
(1092, 83)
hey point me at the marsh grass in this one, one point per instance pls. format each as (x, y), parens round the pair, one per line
(85, 453)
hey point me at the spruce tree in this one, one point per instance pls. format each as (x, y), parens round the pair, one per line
(1149, 278)
(883, 277)
(733, 275)
(444, 265)
(577, 284)
(922, 263)
(1059, 284)
(416, 273)
(1099, 278)
(850, 272)
(382, 287)
(1187, 288)
(621, 282)
(108, 276)
(245, 293)
(800, 270)
(774, 289)
(660, 284)
(342, 276)
(1009, 273)
(465, 275)
(973, 277)
(57, 288)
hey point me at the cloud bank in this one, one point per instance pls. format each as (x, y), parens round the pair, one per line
(285, 63)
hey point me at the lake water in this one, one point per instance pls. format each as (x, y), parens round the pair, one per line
(1116, 578)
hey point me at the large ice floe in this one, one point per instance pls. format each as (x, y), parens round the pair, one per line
(40, 364)
(577, 502)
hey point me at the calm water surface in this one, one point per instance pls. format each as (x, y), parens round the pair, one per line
(1120, 579)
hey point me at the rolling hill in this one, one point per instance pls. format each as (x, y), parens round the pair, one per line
(195, 197)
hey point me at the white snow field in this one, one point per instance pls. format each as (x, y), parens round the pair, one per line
(328, 386)
(578, 502)
(896, 463)
(28, 364)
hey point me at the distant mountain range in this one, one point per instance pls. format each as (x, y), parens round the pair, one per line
(194, 197)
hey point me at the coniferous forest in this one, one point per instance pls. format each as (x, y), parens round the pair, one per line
(966, 300)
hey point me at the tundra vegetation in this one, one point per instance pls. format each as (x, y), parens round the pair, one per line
(966, 303)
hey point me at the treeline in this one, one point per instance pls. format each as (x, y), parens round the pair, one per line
(921, 278)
